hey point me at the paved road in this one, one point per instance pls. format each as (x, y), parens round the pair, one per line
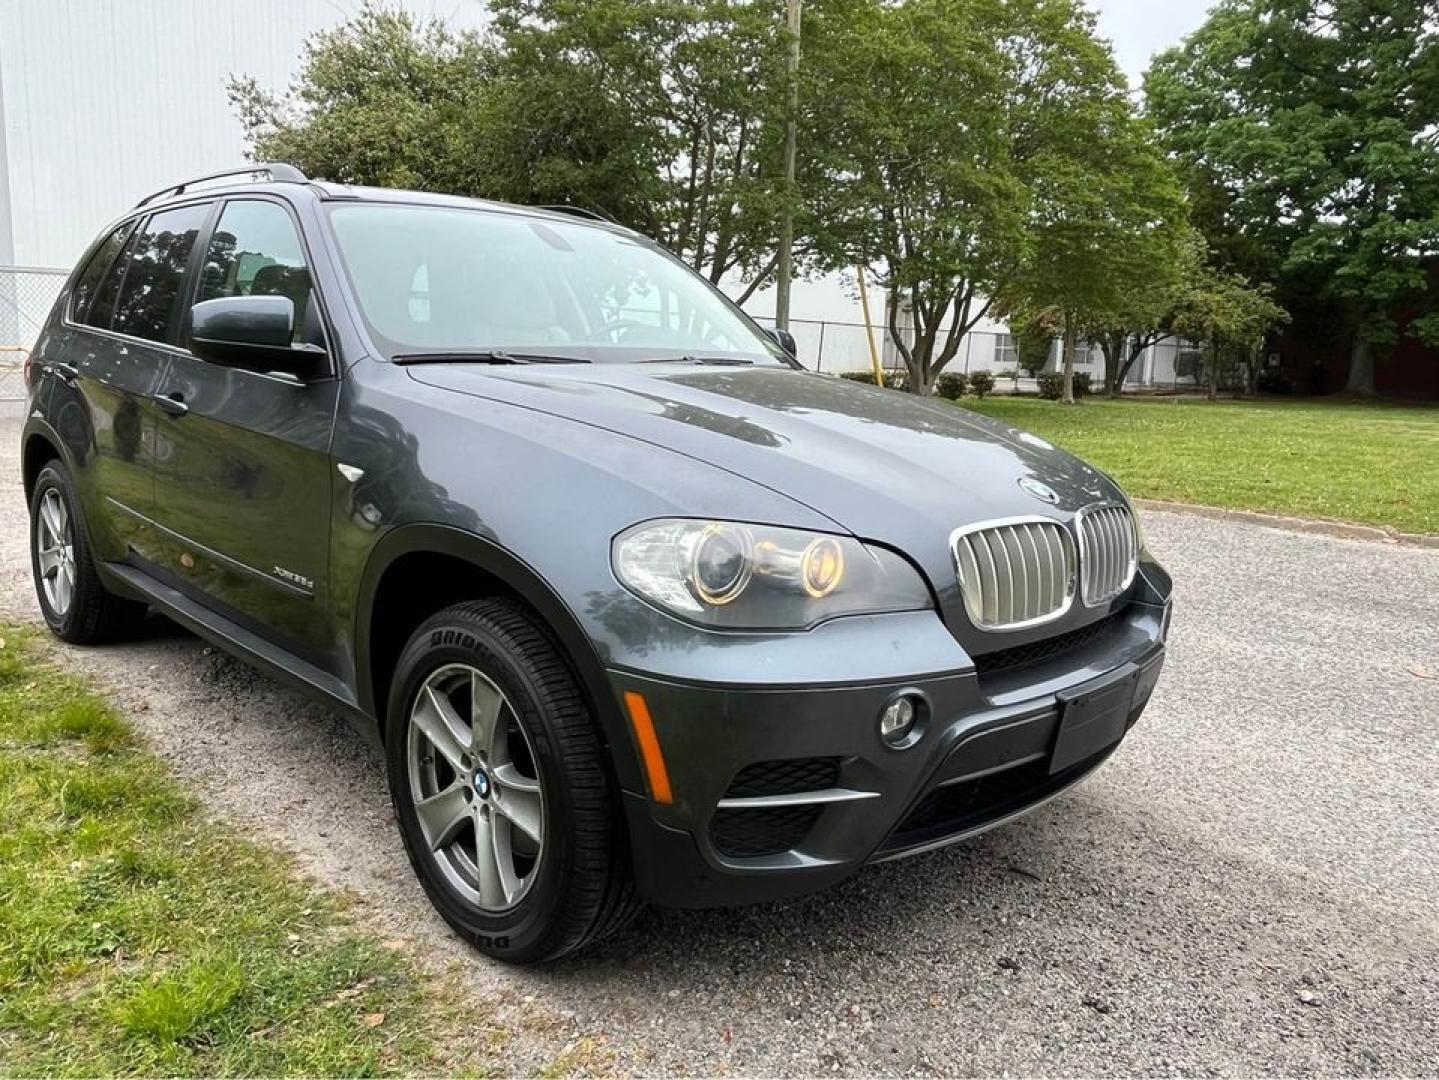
(1251, 886)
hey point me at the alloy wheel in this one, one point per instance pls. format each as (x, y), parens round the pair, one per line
(476, 787)
(55, 542)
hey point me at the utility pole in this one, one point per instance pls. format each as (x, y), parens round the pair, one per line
(785, 271)
(869, 328)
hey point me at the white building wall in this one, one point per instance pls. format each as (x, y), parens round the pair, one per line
(104, 101)
(827, 320)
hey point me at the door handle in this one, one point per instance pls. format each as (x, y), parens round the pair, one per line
(65, 372)
(172, 403)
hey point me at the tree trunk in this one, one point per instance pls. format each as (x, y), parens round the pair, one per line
(1113, 347)
(1361, 368)
(1140, 346)
(1071, 339)
(1214, 373)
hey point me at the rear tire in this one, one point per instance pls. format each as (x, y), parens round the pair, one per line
(502, 788)
(76, 605)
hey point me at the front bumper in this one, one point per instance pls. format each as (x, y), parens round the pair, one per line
(781, 791)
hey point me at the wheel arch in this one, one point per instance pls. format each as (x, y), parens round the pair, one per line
(39, 448)
(389, 608)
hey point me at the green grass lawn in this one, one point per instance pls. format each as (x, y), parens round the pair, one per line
(139, 937)
(1365, 463)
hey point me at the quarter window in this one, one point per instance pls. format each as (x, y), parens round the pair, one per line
(89, 280)
(155, 271)
(255, 251)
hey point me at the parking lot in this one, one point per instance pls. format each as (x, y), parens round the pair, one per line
(1251, 885)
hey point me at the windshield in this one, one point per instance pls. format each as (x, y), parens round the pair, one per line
(448, 280)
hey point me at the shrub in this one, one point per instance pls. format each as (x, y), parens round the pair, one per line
(894, 378)
(1274, 381)
(951, 385)
(1051, 385)
(1032, 346)
(982, 383)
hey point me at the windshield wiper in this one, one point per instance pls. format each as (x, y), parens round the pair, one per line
(484, 356)
(719, 361)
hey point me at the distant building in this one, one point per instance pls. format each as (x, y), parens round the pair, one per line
(103, 101)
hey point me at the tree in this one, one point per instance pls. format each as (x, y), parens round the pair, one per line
(1223, 312)
(906, 101)
(1033, 342)
(664, 116)
(940, 121)
(1306, 131)
(1145, 316)
(1107, 228)
(383, 100)
(701, 85)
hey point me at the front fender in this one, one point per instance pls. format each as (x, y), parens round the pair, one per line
(525, 582)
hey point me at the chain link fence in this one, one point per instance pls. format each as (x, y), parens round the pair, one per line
(27, 293)
(838, 347)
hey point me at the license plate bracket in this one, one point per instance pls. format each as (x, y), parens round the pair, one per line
(1092, 719)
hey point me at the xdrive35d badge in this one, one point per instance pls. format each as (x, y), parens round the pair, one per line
(640, 610)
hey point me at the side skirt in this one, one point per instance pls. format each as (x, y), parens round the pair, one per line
(235, 639)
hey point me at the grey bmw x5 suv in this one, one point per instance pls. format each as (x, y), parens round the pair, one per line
(639, 608)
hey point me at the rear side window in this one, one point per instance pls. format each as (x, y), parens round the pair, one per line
(155, 272)
(255, 251)
(90, 277)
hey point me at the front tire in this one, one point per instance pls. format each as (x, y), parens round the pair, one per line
(76, 605)
(501, 788)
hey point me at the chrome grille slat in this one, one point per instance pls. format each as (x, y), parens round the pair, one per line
(1118, 556)
(1041, 589)
(1103, 548)
(989, 583)
(1108, 552)
(1054, 562)
(1016, 573)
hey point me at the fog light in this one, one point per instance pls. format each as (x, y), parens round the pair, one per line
(897, 720)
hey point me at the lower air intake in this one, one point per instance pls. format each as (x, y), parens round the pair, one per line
(751, 832)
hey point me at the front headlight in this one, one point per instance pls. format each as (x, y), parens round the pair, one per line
(760, 577)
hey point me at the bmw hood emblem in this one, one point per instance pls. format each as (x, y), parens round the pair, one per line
(1039, 489)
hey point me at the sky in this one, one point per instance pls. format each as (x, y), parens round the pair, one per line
(1141, 28)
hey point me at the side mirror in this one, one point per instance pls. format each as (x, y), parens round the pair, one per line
(784, 339)
(251, 332)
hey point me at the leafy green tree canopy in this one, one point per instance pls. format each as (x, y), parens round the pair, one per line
(1221, 310)
(981, 150)
(1106, 217)
(665, 116)
(381, 100)
(1307, 131)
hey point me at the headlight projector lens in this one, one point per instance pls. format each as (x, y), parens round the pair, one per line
(722, 563)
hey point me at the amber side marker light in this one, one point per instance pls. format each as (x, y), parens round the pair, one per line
(654, 760)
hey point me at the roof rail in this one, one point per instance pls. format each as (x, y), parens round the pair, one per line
(578, 211)
(277, 171)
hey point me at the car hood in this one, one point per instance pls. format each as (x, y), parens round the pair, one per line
(883, 465)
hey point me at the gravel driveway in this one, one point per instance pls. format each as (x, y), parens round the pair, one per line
(1251, 885)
